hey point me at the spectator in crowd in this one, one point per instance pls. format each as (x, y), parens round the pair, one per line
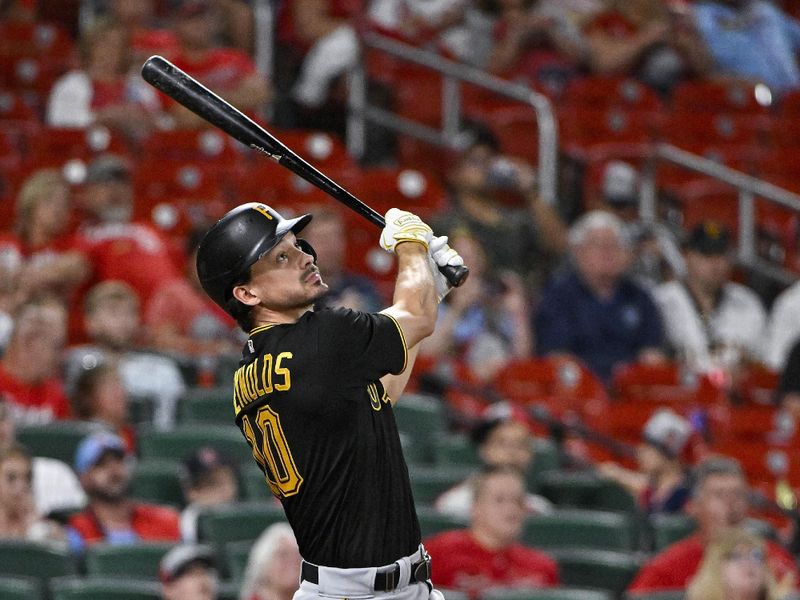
(99, 396)
(537, 45)
(55, 486)
(273, 567)
(595, 312)
(524, 240)
(485, 321)
(718, 502)
(39, 255)
(783, 327)
(328, 236)
(231, 73)
(787, 394)
(104, 90)
(208, 478)
(502, 439)
(147, 36)
(118, 247)
(734, 566)
(188, 572)
(30, 370)
(488, 553)
(111, 516)
(112, 322)
(654, 40)
(711, 322)
(19, 518)
(656, 255)
(661, 484)
(190, 325)
(751, 39)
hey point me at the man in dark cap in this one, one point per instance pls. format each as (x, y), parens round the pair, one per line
(188, 572)
(711, 322)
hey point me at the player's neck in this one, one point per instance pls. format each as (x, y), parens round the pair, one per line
(265, 316)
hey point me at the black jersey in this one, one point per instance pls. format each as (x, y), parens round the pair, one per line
(307, 397)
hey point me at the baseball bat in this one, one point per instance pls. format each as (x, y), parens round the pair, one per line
(184, 89)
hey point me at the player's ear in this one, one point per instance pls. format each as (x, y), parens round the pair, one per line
(243, 294)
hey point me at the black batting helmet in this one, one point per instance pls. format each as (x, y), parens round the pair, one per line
(236, 242)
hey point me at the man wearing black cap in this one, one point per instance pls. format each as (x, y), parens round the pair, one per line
(711, 322)
(187, 572)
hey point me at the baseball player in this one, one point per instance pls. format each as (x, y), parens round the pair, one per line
(314, 392)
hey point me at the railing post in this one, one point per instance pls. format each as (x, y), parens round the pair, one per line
(451, 108)
(648, 195)
(357, 110)
(548, 148)
(747, 227)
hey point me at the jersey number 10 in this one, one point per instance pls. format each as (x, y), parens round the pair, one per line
(272, 452)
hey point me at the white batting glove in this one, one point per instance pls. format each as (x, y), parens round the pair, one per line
(440, 254)
(403, 226)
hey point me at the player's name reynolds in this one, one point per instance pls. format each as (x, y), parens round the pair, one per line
(265, 375)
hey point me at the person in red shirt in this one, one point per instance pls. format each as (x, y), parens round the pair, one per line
(719, 502)
(111, 516)
(30, 378)
(488, 553)
(119, 248)
(228, 72)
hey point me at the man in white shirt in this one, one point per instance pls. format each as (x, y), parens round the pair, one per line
(783, 330)
(710, 321)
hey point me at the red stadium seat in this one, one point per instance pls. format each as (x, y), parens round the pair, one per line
(34, 39)
(719, 97)
(666, 383)
(607, 92)
(188, 144)
(56, 143)
(587, 131)
(322, 150)
(690, 129)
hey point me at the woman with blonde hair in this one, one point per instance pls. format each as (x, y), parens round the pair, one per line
(273, 567)
(735, 567)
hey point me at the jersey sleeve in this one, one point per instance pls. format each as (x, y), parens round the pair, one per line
(362, 346)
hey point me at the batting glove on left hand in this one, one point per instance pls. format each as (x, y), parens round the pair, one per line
(440, 254)
(403, 226)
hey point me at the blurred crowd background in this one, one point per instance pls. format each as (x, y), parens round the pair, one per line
(608, 407)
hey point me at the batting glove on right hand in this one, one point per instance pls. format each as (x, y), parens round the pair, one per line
(403, 226)
(440, 254)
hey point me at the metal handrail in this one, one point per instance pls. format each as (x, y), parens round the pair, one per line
(360, 111)
(748, 188)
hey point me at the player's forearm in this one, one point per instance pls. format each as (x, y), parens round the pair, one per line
(414, 290)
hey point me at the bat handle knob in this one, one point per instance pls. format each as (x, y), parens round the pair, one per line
(455, 275)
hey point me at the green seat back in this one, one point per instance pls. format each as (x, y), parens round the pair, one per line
(568, 528)
(583, 489)
(544, 594)
(452, 594)
(236, 522)
(254, 484)
(428, 482)
(236, 556)
(99, 588)
(157, 481)
(134, 560)
(31, 559)
(421, 418)
(20, 588)
(177, 444)
(56, 440)
(676, 595)
(670, 528)
(456, 449)
(431, 522)
(213, 406)
(546, 459)
(598, 569)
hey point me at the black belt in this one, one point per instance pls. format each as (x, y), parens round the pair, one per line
(385, 581)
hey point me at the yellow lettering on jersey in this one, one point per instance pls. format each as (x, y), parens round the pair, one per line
(261, 378)
(374, 401)
(281, 370)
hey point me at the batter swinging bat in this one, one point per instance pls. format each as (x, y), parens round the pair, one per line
(181, 87)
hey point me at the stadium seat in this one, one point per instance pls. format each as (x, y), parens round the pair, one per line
(599, 569)
(588, 133)
(236, 522)
(13, 108)
(585, 490)
(83, 144)
(421, 418)
(157, 481)
(450, 594)
(104, 588)
(687, 129)
(213, 406)
(208, 144)
(456, 449)
(58, 440)
(670, 528)
(718, 97)
(236, 556)
(32, 559)
(543, 594)
(323, 150)
(134, 560)
(254, 484)
(175, 445)
(20, 588)
(546, 459)
(431, 522)
(427, 483)
(606, 92)
(676, 595)
(576, 528)
(664, 384)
